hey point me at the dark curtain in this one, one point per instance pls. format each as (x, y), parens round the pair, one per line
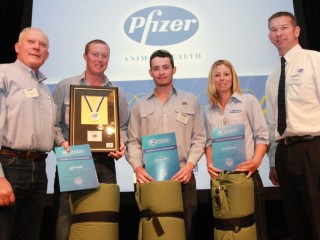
(16, 15)
(311, 10)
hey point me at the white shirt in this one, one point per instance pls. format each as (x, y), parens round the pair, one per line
(302, 91)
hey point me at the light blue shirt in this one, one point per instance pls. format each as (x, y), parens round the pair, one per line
(240, 109)
(27, 109)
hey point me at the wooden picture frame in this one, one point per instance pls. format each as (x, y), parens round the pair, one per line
(94, 117)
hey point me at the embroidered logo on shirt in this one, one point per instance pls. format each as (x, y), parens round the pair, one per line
(184, 103)
(300, 70)
(236, 111)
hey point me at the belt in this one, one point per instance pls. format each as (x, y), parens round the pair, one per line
(103, 216)
(297, 139)
(234, 224)
(32, 155)
(148, 214)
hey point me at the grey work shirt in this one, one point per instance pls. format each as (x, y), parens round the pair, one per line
(27, 109)
(241, 108)
(181, 113)
(61, 96)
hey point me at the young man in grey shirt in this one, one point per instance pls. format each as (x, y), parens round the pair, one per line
(168, 109)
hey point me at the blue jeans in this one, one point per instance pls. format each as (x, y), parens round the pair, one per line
(106, 172)
(29, 183)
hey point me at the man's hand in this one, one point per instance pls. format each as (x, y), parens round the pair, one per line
(66, 146)
(273, 176)
(184, 174)
(142, 175)
(6, 193)
(118, 154)
(213, 172)
(249, 166)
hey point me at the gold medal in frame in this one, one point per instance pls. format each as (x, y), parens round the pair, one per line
(94, 117)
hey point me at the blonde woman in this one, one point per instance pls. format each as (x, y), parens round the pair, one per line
(228, 106)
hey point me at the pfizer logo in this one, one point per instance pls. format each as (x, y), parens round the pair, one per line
(161, 25)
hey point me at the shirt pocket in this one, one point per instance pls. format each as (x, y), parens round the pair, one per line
(184, 116)
(236, 117)
(148, 121)
(300, 86)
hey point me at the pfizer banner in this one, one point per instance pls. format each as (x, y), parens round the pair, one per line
(144, 26)
(197, 33)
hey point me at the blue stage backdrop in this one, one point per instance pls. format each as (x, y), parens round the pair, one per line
(197, 33)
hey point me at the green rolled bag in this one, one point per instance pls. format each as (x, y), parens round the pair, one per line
(233, 206)
(161, 210)
(95, 213)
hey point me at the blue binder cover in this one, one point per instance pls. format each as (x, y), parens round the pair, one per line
(228, 146)
(76, 169)
(160, 155)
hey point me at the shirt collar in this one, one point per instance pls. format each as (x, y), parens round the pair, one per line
(292, 52)
(106, 80)
(235, 97)
(173, 91)
(39, 77)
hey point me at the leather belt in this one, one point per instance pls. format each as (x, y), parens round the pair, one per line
(32, 155)
(297, 139)
(233, 224)
(103, 216)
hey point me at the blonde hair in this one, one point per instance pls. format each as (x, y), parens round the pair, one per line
(212, 91)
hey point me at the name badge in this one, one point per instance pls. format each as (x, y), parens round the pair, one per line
(31, 93)
(183, 118)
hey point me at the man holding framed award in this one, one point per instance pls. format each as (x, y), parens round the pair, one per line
(95, 118)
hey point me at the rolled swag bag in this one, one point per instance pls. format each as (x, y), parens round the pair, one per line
(161, 210)
(95, 213)
(233, 206)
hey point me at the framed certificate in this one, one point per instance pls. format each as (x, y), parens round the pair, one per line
(94, 117)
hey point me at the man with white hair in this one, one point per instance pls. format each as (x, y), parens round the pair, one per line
(26, 135)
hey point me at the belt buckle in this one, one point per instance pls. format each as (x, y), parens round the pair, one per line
(29, 154)
(237, 229)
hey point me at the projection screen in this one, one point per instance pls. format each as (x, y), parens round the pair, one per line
(197, 33)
